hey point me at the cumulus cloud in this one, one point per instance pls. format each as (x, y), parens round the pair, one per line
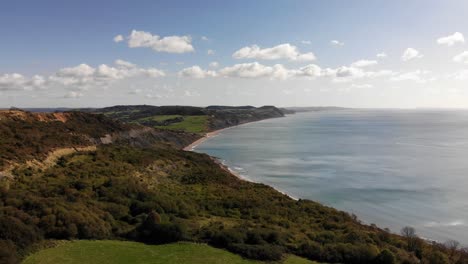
(282, 51)
(461, 58)
(210, 52)
(410, 54)
(257, 70)
(311, 71)
(16, 81)
(363, 63)
(170, 44)
(451, 40)
(381, 55)
(336, 43)
(118, 38)
(204, 38)
(84, 76)
(196, 72)
(306, 42)
(214, 64)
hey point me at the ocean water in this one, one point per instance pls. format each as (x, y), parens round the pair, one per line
(394, 168)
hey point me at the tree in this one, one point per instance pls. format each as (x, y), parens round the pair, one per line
(410, 234)
(452, 246)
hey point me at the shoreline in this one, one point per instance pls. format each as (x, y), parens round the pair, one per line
(205, 137)
(220, 163)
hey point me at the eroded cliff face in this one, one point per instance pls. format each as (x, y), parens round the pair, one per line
(222, 117)
(26, 136)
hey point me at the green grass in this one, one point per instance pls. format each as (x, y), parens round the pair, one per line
(193, 124)
(106, 252)
(159, 118)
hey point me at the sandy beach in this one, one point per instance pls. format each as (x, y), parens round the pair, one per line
(204, 138)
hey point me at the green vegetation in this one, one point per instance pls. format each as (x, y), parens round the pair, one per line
(131, 252)
(189, 118)
(192, 124)
(148, 191)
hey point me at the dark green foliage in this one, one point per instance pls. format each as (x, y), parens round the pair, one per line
(385, 257)
(152, 231)
(8, 252)
(260, 252)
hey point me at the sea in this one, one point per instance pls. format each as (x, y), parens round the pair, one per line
(393, 168)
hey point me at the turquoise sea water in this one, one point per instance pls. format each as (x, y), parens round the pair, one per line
(394, 168)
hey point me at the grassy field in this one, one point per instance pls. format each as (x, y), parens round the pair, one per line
(102, 252)
(194, 124)
(159, 118)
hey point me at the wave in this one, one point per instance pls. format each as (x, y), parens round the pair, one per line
(446, 224)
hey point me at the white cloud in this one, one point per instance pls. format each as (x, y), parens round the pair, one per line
(381, 55)
(16, 81)
(210, 52)
(73, 95)
(416, 76)
(196, 72)
(336, 43)
(118, 38)
(363, 63)
(204, 38)
(282, 51)
(451, 40)
(410, 54)
(349, 72)
(170, 44)
(255, 70)
(125, 64)
(214, 64)
(461, 58)
(311, 71)
(84, 76)
(306, 42)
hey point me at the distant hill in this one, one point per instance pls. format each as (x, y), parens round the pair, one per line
(189, 118)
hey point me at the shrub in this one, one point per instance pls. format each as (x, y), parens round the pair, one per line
(259, 252)
(385, 257)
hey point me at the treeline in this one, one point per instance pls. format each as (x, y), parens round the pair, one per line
(161, 195)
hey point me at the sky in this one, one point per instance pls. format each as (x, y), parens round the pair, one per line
(369, 54)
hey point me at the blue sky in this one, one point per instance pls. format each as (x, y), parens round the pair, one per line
(42, 38)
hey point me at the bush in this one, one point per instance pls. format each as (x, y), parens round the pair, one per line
(227, 237)
(310, 250)
(153, 232)
(13, 229)
(385, 257)
(259, 252)
(8, 252)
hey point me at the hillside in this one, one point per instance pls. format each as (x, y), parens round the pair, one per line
(135, 183)
(189, 118)
(26, 136)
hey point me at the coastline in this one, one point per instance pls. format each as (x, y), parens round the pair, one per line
(220, 163)
(205, 137)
